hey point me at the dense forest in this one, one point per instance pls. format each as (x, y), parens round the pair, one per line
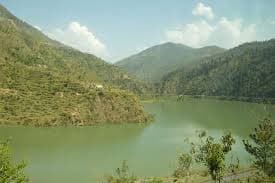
(43, 82)
(244, 71)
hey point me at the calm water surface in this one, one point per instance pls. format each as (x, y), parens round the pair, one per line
(86, 154)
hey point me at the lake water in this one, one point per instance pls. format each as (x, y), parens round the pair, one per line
(86, 154)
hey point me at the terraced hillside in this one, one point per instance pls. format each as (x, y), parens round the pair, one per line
(43, 82)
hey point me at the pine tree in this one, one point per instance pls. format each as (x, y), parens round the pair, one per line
(262, 147)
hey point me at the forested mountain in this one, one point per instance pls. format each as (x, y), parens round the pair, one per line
(43, 82)
(153, 63)
(244, 71)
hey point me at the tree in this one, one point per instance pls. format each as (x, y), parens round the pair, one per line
(262, 147)
(212, 154)
(10, 172)
(184, 164)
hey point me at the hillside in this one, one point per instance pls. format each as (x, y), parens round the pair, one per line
(43, 82)
(153, 63)
(244, 71)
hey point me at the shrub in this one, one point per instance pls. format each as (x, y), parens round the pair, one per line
(9, 172)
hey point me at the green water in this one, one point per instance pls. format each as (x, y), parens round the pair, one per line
(86, 154)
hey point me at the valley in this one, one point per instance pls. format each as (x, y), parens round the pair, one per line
(78, 101)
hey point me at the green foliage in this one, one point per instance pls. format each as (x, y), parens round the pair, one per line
(262, 147)
(243, 73)
(10, 172)
(122, 175)
(153, 63)
(184, 164)
(212, 154)
(209, 152)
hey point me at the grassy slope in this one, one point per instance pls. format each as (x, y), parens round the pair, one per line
(153, 63)
(43, 82)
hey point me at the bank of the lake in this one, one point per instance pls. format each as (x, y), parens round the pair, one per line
(157, 97)
(85, 154)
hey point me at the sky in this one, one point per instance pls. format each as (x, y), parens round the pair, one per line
(115, 29)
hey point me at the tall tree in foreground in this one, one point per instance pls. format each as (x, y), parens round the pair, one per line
(262, 147)
(10, 172)
(212, 154)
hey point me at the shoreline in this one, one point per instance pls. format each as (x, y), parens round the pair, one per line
(152, 98)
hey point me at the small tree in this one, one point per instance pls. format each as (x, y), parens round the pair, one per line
(123, 175)
(10, 172)
(212, 154)
(184, 165)
(262, 147)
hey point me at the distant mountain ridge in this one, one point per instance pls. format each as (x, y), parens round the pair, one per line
(45, 83)
(247, 70)
(153, 63)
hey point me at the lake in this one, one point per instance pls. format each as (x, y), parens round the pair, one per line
(70, 154)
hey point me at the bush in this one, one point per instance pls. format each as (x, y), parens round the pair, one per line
(122, 175)
(9, 172)
(184, 164)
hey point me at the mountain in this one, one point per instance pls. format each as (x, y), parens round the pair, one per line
(43, 82)
(244, 71)
(153, 63)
